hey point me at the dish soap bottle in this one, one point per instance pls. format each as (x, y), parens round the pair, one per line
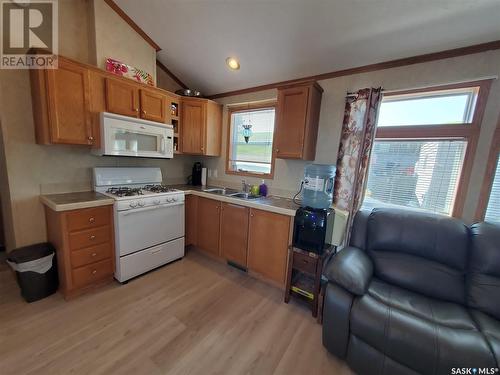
(263, 189)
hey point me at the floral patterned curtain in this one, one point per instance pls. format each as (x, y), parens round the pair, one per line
(358, 131)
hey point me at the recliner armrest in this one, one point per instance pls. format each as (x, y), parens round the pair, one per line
(352, 269)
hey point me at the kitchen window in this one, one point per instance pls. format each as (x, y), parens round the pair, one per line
(489, 200)
(493, 207)
(251, 134)
(424, 147)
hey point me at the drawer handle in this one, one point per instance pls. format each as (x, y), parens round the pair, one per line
(92, 237)
(91, 220)
(94, 272)
(94, 254)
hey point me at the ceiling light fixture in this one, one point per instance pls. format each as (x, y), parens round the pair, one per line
(233, 63)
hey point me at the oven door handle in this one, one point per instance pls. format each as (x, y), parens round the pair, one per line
(132, 211)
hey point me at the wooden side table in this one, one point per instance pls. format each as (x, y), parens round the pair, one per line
(304, 275)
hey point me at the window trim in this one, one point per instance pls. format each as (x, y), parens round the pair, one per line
(243, 108)
(489, 176)
(469, 132)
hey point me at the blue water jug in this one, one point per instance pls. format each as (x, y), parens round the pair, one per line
(318, 185)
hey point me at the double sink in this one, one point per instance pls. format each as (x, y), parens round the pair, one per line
(231, 193)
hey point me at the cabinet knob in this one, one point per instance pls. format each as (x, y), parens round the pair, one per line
(277, 150)
(91, 220)
(90, 139)
(94, 254)
(94, 272)
(202, 148)
(92, 237)
(143, 112)
(136, 109)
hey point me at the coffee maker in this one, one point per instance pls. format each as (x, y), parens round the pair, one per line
(196, 175)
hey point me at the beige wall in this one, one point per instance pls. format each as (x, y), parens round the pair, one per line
(164, 81)
(28, 169)
(112, 37)
(289, 172)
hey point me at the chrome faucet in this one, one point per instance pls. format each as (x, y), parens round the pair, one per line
(245, 186)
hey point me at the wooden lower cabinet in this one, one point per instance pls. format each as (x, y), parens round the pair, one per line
(255, 239)
(191, 220)
(84, 242)
(234, 233)
(268, 240)
(208, 225)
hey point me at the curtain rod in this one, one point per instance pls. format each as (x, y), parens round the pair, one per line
(354, 94)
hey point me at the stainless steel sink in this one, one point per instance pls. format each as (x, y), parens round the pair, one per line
(230, 193)
(215, 190)
(220, 191)
(242, 195)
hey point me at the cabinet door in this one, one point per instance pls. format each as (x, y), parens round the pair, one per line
(122, 98)
(291, 124)
(153, 106)
(234, 233)
(193, 127)
(70, 121)
(191, 217)
(208, 225)
(268, 244)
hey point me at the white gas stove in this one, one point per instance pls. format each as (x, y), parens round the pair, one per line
(149, 219)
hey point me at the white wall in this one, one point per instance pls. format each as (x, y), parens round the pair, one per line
(289, 172)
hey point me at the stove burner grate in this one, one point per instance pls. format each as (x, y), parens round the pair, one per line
(158, 188)
(124, 191)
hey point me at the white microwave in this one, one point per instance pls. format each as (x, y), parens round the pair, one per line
(128, 136)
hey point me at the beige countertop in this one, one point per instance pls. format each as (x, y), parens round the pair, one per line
(279, 205)
(75, 201)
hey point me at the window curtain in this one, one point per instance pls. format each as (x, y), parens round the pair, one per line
(358, 132)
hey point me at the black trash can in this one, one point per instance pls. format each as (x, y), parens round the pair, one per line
(36, 270)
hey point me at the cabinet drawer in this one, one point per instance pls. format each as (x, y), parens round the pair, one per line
(93, 272)
(89, 237)
(90, 255)
(88, 218)
(304, 263)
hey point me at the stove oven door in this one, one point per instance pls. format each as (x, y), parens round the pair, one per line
(138, 229)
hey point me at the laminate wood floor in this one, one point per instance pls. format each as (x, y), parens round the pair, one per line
(194, 316)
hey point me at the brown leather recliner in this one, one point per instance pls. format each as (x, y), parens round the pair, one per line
(415, 293)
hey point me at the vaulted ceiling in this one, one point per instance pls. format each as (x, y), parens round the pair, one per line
(278, 40)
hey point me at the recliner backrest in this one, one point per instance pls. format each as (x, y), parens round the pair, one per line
(419, 251)
(483, 275)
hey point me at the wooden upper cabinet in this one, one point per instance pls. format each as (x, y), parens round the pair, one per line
(193, 120)
(234, 233)
(201, 127)
(122, 97)
(153, 105)
(297, 121)
(268, 241)
(208, 225)
(61, 105)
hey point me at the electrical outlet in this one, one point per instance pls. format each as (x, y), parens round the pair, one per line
(215, 173)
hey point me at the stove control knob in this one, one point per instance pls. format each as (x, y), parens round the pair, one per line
(174, 199)
(141, 203)
(156, 201)
(170, 200)
(133, 204)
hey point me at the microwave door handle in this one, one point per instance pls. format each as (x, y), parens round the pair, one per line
(162, 145)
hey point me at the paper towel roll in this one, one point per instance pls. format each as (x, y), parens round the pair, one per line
(203, 176)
